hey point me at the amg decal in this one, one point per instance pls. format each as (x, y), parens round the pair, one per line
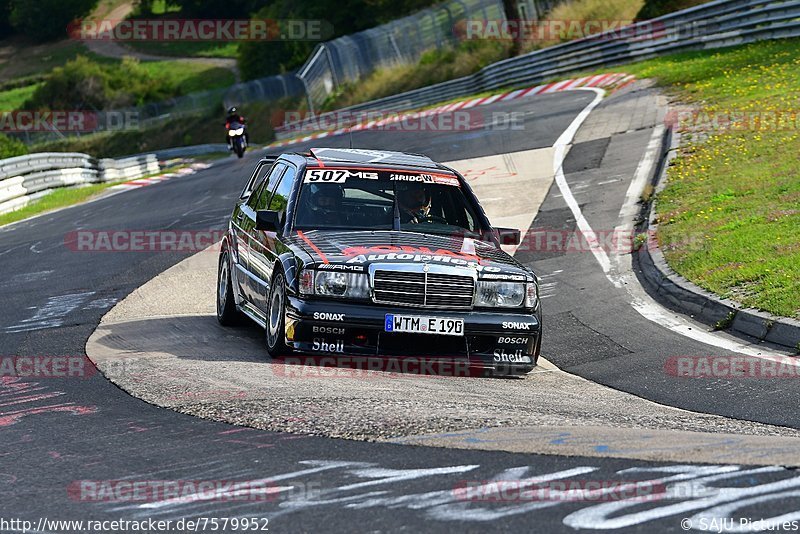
(340, 267)
(503, 276)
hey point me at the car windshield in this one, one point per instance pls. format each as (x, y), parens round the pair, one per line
(365, 199)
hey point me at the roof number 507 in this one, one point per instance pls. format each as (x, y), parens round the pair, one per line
(330, 176)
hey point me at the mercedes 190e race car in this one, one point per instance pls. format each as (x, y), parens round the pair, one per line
(376, 254)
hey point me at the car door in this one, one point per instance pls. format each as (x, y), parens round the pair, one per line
(259, 200)
(264, 244)
(240, 245)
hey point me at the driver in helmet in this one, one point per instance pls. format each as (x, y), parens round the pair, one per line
(324, 204)
(414, 202)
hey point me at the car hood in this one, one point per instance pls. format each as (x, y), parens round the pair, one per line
(357, 250)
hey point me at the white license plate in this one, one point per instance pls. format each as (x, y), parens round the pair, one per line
(416, 324)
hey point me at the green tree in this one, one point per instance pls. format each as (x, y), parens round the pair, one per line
(258, 59)
(46, 20)
(5, 15)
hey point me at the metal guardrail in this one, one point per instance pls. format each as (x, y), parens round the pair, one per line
(402, 41)
(707, 26)
(24, 178)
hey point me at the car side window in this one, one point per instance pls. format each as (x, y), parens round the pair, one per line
(257, 178)
(258, 200)
(281, 196)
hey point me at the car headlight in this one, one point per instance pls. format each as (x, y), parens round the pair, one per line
(500, 294)
(334, 284)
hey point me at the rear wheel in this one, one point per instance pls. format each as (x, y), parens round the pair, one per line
(227, 314)
(276, 326)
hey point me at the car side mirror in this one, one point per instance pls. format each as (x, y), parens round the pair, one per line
(268, 220)
(508, 236)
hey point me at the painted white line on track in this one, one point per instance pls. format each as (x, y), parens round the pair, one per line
(624, 277)
(561, 147)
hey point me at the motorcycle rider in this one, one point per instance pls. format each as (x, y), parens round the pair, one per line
(234, 116)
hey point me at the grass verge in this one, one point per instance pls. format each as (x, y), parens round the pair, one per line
(730, 213)
(58, 198)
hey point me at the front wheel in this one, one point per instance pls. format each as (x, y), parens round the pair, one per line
(276, 326)
(239, 148)
(227, 314)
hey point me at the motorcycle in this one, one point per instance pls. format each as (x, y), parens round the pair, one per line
(238, 140)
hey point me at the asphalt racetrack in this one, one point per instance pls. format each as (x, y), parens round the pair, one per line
(437, 467)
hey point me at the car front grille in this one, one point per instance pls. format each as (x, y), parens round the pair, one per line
(423, 289)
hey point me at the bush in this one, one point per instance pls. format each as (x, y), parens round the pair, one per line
(46, 20)
(11, 147)
(84, 84)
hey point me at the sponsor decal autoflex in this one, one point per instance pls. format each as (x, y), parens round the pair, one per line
(417, 255)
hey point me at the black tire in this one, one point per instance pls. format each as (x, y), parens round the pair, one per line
(227, 314)
(275, 332)
(240, 149)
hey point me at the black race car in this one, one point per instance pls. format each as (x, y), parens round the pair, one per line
(376, 254)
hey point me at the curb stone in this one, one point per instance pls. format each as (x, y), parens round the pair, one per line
(689, 298)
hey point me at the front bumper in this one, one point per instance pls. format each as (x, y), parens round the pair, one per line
(501, 342)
